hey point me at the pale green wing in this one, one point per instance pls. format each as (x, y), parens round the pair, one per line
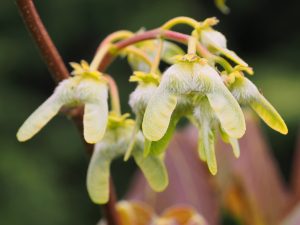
(147, 147)
(232, 55)
(158, 114)
(232, 141)
(95, 120)
(153, 169)
(246, 92)
(95, 113)
(158, 147)
(133, 138)
(226, 108)
(201, 147)
(98, 177)
(204, 118)
(208, 142)
(268, 113)
(235, 147)
(40, 117)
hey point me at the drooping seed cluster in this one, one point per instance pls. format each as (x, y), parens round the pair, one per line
(194, 86)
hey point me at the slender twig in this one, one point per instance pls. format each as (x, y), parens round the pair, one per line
(148, 35)
(42, 39)
(114, 95)
(156, 61)
(59, 72)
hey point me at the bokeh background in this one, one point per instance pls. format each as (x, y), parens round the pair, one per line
(42, 181)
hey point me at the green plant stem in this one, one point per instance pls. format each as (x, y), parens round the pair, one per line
(156, 61)
(180, 20)
(59, 72)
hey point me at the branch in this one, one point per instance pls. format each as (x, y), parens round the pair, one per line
(148, 35)
(42, 39)
(59, 72)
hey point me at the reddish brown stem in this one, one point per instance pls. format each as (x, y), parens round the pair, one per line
(59, 72)
(114, 94)
(42, 39)
(148, 35)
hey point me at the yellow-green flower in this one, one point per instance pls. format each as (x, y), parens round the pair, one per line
(114, 144)
(86, 88)
(191, 79)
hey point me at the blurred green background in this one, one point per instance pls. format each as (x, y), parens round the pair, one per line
(42, 181)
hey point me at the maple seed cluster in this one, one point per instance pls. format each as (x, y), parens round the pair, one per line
(206, 84)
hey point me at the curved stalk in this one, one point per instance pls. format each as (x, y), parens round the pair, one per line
(149, 35)
(114, 94)
(117, 36)
(42, 39)
(155, 64)
(180, 20)
(59, 72)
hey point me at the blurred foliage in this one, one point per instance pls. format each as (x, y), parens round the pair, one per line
(43, 181)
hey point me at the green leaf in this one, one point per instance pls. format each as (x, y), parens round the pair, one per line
(158, 114)
(153, 169)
